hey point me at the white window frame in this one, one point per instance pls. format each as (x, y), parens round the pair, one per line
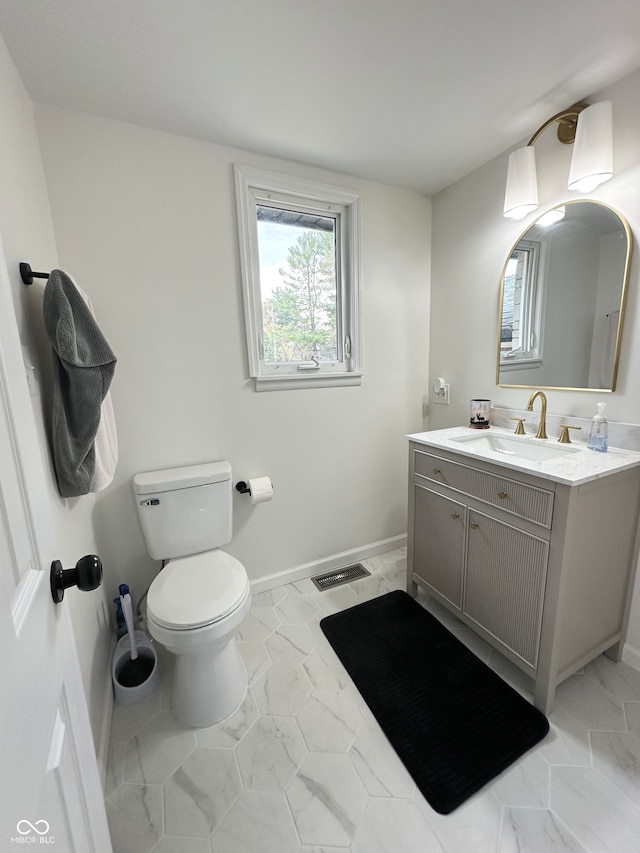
(530, 352)
(259, 187)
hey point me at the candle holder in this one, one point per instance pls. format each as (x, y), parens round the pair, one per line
(479, 411)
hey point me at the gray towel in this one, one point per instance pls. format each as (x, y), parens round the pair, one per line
(83, 369)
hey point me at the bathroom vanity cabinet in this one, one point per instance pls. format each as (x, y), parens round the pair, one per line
(540, 569)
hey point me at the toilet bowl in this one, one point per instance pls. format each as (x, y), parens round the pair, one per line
(194, 606)
(202, 594)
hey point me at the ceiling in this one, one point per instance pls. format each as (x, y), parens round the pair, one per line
(415, 93)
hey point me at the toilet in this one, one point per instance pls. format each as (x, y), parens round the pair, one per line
(200, 597)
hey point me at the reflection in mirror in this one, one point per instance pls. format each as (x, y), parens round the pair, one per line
(562, 300)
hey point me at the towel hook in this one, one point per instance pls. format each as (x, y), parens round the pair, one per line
(27, 274)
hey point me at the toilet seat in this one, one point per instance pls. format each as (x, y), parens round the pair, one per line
(195, 591)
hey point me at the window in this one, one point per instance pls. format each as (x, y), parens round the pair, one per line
(521, 333)
(299, 244)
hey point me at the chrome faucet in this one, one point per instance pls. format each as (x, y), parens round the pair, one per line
(542, 426)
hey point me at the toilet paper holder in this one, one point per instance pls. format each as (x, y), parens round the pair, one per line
(259, 489)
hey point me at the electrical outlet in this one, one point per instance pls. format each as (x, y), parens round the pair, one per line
(442, 395)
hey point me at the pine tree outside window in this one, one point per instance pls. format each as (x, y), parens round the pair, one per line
(299, 254)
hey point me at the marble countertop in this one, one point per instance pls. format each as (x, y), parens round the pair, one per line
(571, 469)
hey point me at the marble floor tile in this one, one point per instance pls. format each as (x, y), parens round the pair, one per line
(256, 659)
(632, 712)
(290, 643)
(116, 760)
(537, 831)
(258, 624)
(230, 732)
(201, 792)
(297, 608)
(327, 800)
(599, 817)
(127, 720)
(589, 703)
(173, 844)
(259, 821)
(282, 690)
(394, 826)
(525, 783)
(268, 598)
(381, 771)
(329, 721)
(473, 826)
(616, 677)
(567, 741)
(617, 756)
(304, 745)
(270, 754)
(364, 589)
(135, 815)
(338, 598)
(325, 670)
(158, 749)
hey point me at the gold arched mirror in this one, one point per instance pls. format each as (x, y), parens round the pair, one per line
(562, 300)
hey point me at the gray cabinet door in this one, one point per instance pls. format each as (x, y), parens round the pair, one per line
(439, 543)
(505, 582)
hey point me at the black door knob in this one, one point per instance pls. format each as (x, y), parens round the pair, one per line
(86, 575)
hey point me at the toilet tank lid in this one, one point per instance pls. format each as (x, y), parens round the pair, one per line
(186, 477)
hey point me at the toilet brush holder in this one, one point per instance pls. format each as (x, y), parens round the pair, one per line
(128, 694)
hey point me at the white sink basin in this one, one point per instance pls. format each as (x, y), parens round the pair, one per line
(534, 449)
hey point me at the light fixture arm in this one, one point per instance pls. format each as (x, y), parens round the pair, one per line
(589, 127)
(567, 124)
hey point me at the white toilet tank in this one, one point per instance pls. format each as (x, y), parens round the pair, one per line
(185, 510)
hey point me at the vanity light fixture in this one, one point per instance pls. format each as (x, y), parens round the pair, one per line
(589, 128)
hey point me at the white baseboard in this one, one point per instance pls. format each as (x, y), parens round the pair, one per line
(102, 753)
(631, 656)
(327, 564)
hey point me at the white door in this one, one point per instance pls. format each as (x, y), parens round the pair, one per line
(50, 790)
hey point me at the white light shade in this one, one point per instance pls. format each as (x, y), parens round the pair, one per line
(592, 160)
(521, 196)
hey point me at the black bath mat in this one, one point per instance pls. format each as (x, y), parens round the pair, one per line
(454, 723)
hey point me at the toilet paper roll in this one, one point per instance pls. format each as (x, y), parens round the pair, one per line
(261, 490)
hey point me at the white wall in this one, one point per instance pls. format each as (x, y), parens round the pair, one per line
(470, 242)
(146, 222)
(27, 232)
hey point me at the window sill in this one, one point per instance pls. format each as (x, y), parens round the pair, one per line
(319, 380)
(520, 364)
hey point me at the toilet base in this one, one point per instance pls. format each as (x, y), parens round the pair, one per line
(208, 687)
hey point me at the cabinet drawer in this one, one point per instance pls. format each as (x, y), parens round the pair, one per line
(520, 499)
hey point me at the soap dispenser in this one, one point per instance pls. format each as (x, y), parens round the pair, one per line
(599, 435)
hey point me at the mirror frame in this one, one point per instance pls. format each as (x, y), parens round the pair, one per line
(623, 299)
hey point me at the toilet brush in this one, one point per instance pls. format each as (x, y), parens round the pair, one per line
(136, 669)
